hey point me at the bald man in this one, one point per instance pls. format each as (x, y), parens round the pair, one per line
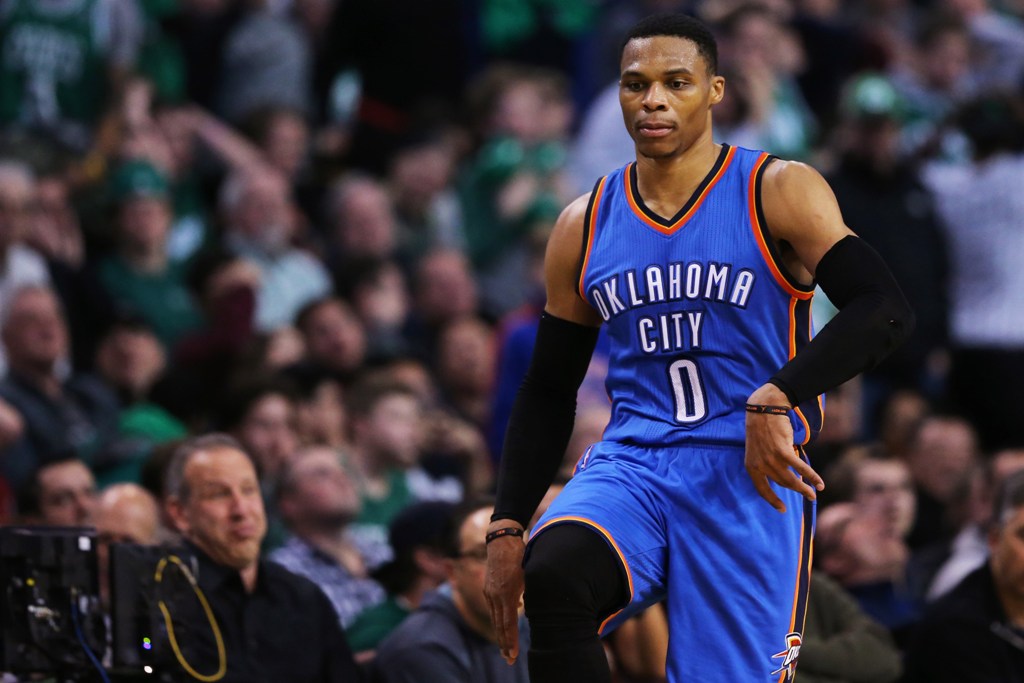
(123, 513)
(127, 513)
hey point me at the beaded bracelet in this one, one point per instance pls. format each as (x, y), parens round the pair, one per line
(505, 531)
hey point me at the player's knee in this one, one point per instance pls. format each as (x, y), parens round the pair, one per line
(556, 603)
(571, 571)
(549, 584)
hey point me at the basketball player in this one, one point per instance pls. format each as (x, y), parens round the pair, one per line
(700, 258)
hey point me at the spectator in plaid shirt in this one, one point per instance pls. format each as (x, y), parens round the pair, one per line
(318, 501)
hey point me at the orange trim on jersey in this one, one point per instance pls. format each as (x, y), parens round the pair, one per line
(600, 629)
(758, 229)
(799, 575)
(807, 426)
(821, 409)
(792, 328)
(678, 223)
(611, 541)
(592, 213)
(802, 566)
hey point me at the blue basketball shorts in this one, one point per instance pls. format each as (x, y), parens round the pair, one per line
(691, 530)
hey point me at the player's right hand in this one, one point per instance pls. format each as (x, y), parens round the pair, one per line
(503, 588)
(770, 455)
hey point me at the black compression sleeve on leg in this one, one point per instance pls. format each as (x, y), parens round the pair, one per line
(574, 581)
(542, 417)
(874, 318)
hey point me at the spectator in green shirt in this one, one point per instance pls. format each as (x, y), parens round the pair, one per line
(139, 277)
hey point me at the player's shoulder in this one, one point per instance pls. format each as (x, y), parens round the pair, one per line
(790, 175)
(797, 200)
(571, 221)
(794, 186)
(576, 210)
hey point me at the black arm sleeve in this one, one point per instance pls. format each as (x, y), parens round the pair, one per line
(874, 318)
(542, 417)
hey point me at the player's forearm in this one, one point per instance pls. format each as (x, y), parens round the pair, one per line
(538, 433)
(874, 318)
(542, 418)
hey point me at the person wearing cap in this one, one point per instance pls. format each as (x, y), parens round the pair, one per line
(140, 277)
(883, 199)
(417, 568)
(976, 632)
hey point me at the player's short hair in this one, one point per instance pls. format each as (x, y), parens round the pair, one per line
(681, 26)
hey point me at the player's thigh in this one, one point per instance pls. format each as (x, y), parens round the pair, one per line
(617, 507)
(739, 576)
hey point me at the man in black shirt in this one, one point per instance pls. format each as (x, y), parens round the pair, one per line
(272, 624)
(64, 416)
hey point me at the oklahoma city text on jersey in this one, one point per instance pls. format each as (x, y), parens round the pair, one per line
(676, 330)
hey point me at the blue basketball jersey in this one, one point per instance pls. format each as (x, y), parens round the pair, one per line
(699, 310)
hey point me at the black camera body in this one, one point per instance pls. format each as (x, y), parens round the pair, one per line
(51, 621)
(139, 638)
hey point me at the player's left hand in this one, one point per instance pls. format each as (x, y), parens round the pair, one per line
(770, 454)
(503, 588)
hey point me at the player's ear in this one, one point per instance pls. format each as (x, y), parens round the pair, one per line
(717, 89)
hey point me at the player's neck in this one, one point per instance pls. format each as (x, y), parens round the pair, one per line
(666, 183)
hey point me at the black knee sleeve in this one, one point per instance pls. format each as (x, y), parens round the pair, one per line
(574, 581)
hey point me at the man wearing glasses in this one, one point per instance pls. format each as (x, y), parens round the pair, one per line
(449, 638)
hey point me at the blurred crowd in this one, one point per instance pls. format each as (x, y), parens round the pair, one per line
(318, 226)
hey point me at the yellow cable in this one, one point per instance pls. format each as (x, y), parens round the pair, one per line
(221, 654)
